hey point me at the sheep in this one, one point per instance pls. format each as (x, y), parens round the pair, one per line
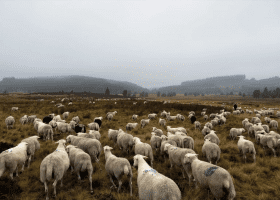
(255, 120)
(222, 121)
(96, 134)
(143, 149)
(33, 145)
(23, 120)
(98, 120)
(246, 146)
(248, 125)
(173, 130)
(212, 115)
(203, 113)
(63, 127)
(211, 176)
(152, 116)
(273, 124)
(14, 109)
(144, 122)
(91, 146)
(130, 126)
(76, 119)
(118, 167)
(171, 118)
(45, 130)
(162, 122)
(211, 150)
(234, 132)
(111, 113)
(65, 115)
(72, 124)
(80, 161)
(110, 117)
(31, 118)
(163, 114)
(134, 103)
(214, 122)
(112, 135)
(205, 130)
(191, 113)
(10, 121)
(134, 117)
(11, 158)
(266, 128)
(158, 132)
(155, 141)
(252, 130)
(56, 163)
(213, 137)
(93, 126)
(57, 118)
(125, 141)
(258, 115)
(176, 156)
(245, 121)
(205, 117)
(197, 125)
(268, 141)
(209, 125)
(164, 141)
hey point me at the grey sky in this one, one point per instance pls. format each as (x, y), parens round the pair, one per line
(105, 39)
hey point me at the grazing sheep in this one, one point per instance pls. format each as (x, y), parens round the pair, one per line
(211, 150)
(110, 117)
(164, 141)
(259, 116)
(45, 130)
(91, 146)
(205, 117)
(23, 120)
(197, 125)
(144, 122)
(155, 141)
(176, 156)
(116, 166)
(162, 122)
(125, 141)
(113, 134)
(131, 126)
(143, 149)
(31, 118)
(173, 130)
(209, 125)
(212, 137)
(268, 141)
(245, 121)
(96, 134)
(255, 120)
(158, 132)
(86, 135)
(33, 145)
(11, 158)
(80, 161)
(234, 132)
(111, 113)
(56, 163)
(214, 122)
(212, 115)
(63, 127)
(72, 124)
(273, 124)
(222, 121)
(10, 121)
(57, 118)
(152, 116)
(211, 176)
(134, 117)
(266, 128)
(246, 146)
(93, 126)
(205, 131)
(65, 115)
(153, 185)
(203, 113)
(248, 125)
(163, 114)
(76, 119)
(171, 118)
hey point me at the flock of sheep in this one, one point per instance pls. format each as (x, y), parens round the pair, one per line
(85, 148)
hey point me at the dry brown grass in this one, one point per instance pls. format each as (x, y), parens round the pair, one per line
(252, 180)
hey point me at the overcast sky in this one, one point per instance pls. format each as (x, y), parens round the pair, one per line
(150, 43)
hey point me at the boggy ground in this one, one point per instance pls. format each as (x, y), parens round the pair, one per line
(251, 180)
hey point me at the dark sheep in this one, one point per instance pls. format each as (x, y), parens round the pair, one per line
(80, 128)
(99, 122)
(235, 106)
(47, 119)
(193, 119)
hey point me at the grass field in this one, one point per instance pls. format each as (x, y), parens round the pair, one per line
(258, 180)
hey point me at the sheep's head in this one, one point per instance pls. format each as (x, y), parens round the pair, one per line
(166, 146)
(189, 157)
(243, 130)
(68, 138)
(107, 148)
(164, 137)
(136, 159)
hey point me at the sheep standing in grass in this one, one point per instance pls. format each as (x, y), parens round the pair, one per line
(152, 116)
(162, 122)
(63, 127)
(10, 121)
(155, 141)
(205, 131)
(153, 185)
(205, 117)
(76, 119)
(65, 115)
(248, 125)
(110, 117)
(209, 125)
(234, 132)
(246, 146)
(164, 141)
(31, 118)
(245, 121)
(143, 149)
(134, 117)
(125, 141)
(211, 150)
(23, 120)
(213, 137)
(111, 113)
(130, 126)
(93, 126)
(96, 134)
(80, 162)
(273, 124)
(56, 163)
(268, 141)
(211, 176)
(11, 158)
(197, 125)
(112, 135)
(163, 114)
(266, 128)
(144, 122)
(33, 145)
(117, 167)
(45, 130)
(72, 124)
(176, 156)
(158, 132)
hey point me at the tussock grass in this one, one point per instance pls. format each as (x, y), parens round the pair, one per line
(251, 180)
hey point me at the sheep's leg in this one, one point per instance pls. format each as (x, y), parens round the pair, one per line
(120, 184)
(254, 157)
(72, 170)
(29, 160)
(273, 152)
(46, 190)
(244, 156)
(97, 161)
(183, 172)
(22, 168)
(61, 184)
(90, 181)
(17, 171)
(11, 175)
(112, 182)
(54, 187)
(130, 185)
(79, 177)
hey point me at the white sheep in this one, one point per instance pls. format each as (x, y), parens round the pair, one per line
(80, 161)
(152, 116)
(143, 149)
(209, 125)
(212, 137)
(111, 113)
(269, 141)
(173, 130)
(157, 131)
(246, 146)
(144, 122)
(56, 163)
(211, 176)
(112, 135)
(45, 130)
(96, 134)
(116, 166)
(31, 118)
(245, 121)
(65, 115)
(273, 124)
(73, 124)
(23, 120)
(110, 117)
(125, 141)
(211, 150)
(164, 141)
(10, 121)
(205, 131)
(176, 156)
(171, 118)
(11, 158)
(162, 122)
(56, 118)
(130, 126)
(63, 127)
(93, 126)
(134, 117)
(197, 125)
(234, 132)
(14, 109)
(266, 128)
(153, 185)
(33, 145)
(155, 141)
(76, 119)
(163, 114)
(205, 117)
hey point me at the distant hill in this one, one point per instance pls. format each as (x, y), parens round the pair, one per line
(67, 84)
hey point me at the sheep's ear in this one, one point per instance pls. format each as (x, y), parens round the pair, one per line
(110, 147)
(144, 157)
